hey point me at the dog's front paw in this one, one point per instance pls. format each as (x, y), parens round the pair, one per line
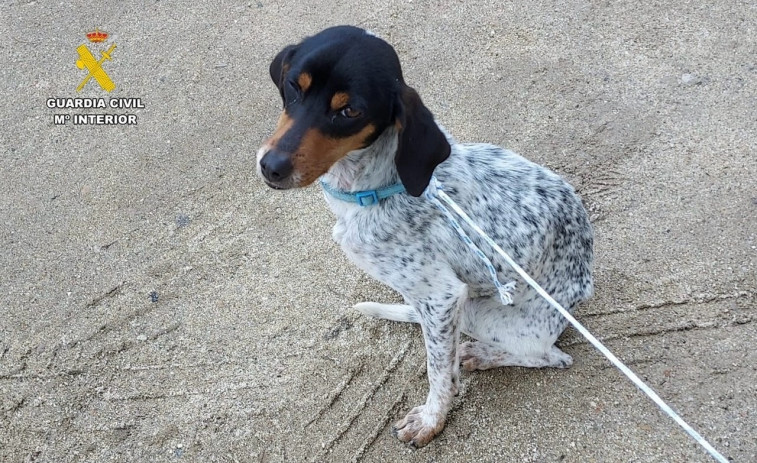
(418, 427)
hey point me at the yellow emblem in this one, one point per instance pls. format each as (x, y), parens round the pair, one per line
(93, 66)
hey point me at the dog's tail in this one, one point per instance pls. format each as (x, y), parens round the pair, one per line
(394, 312)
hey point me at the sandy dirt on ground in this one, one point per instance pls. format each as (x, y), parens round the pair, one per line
(159, 303)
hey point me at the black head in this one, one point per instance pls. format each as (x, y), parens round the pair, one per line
(341, 89)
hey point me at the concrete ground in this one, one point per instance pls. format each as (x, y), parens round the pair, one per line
(159, 303)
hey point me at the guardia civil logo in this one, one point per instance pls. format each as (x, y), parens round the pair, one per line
(94, 111)
(94, 67)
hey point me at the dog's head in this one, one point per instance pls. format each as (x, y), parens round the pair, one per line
(341, 89)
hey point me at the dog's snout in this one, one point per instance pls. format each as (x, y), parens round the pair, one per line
(276, 166)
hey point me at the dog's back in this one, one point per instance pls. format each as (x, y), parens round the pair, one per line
(533, 213)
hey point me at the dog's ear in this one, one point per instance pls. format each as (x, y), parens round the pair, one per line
(421, 145)
(280, 66)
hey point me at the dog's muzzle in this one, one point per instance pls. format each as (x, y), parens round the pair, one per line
(275, 167)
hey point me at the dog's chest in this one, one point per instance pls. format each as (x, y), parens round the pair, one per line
(369, 234)
(400, 248)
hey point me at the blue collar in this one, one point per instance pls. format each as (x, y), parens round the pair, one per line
(363, 198)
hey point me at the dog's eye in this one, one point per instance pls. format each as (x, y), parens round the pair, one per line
(349, 112)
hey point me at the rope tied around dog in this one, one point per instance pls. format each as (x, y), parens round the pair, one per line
(439, 198)
(505, 291)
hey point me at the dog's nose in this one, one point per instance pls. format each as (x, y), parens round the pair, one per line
(276, 166)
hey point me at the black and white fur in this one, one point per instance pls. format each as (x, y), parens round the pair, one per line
(407, 244)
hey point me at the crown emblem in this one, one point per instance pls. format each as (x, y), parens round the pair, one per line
(97, 36)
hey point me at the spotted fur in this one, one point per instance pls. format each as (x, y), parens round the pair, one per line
(406, 243)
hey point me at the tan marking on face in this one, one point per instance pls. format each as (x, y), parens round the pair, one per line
(317, 152)
(339, 100)
(284, 124)
(304, 81)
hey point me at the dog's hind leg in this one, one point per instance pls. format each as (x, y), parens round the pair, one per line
(479, 355)
(521, 335)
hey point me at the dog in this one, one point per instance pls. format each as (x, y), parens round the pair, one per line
(350, 120)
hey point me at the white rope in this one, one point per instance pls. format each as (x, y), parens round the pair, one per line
(434, 193)
(505, 291)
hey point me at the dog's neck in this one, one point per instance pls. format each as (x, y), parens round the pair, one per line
(369, 168)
